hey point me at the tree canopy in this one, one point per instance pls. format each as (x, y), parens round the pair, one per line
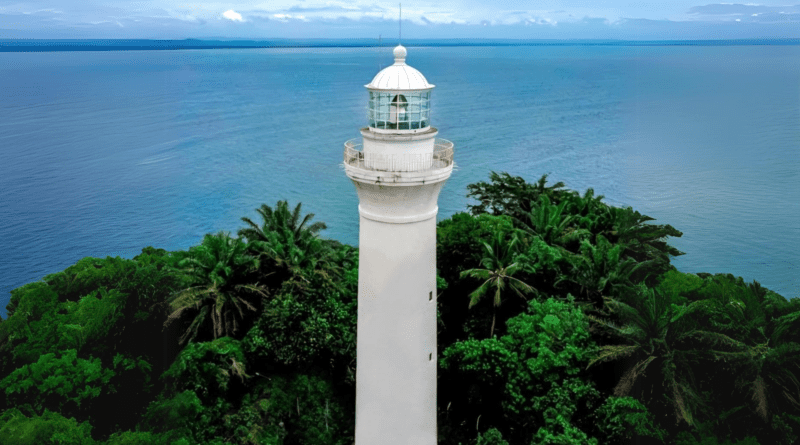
(561, 321)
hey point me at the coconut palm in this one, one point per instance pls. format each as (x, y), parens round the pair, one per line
(285, 239)
(656, 331)
(600, 271)
(591, 215)
(644, 242)
(281, 220)
(769, 371)
(219, 271)
(498, 272)
(546, 220)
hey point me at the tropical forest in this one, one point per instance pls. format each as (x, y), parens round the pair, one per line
(561, 321)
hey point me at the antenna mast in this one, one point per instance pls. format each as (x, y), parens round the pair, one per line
(400, 26)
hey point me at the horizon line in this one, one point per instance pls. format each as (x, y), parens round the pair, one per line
(102, 44)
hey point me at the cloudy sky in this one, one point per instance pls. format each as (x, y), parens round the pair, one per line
(525, 19)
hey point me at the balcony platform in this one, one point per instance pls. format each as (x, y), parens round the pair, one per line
(399, 169)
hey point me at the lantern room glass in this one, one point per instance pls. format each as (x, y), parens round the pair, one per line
(386, 110)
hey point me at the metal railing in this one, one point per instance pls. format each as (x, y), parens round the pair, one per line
(441, 157)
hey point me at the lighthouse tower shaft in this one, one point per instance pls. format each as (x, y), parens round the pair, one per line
(398, 170)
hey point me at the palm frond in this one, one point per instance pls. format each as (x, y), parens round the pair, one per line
(481, 274)
(628, 379)
(478, 293)
(759, 396)
(612, 352)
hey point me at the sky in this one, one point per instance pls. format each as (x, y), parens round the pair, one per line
(422, 19)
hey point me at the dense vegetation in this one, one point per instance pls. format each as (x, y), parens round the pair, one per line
(561, 322)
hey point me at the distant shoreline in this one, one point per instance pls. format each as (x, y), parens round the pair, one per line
(52, 45)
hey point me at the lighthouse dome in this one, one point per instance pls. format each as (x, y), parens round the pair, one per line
(399, 77)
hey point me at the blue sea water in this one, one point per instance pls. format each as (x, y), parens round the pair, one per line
(104, 153)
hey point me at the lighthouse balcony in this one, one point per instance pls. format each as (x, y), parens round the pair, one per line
(407, 165)
(399, 167)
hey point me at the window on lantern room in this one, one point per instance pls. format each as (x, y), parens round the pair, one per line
(384, 107)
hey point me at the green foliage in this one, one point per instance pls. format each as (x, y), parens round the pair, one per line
(786, 428)
(220, 275)
(281, 220)
(45, 429)
(95, 306)
(278, 410)
(460, 241)
(498, 272)
(90, 274)
(208, 368)
(297, 330)
(590, 216)
(656, 331)
(54, 326)
(286, 243)
(31, 329)
(179, 416)
(510, 195)
(679, 287)
(720, 353)
(737, 311)
(623, 418)
(645, 242)
(687, 438)
(537, 256)
(136, 438)
(547, 221)
(535, 368)
(55, 380)
(310, 411)
(600, 270)
(561, 432)
(491, 437)
(91, 320)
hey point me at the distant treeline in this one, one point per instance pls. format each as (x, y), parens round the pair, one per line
(28, 45)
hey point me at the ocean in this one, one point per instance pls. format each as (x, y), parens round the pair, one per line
(104, 153)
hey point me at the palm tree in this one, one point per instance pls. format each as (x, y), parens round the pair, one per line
(498, 272)
(546, 221)
(591, 215)
(600, 269)
(769, 372)
(284, 238)
(655, 330)
(219, 272)
(280, 220)
(644, 242)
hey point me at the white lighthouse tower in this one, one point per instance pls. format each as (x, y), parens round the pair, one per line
(398, 168)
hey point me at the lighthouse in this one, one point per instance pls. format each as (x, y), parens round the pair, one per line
(398, 167)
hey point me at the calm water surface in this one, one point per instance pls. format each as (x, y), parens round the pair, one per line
(104, 153)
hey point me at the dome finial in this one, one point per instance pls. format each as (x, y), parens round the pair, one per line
(400, 54)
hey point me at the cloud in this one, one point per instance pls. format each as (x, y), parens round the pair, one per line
(750, 12)
(232, 16)
(728, 9)
(286, 17)
(337, 8)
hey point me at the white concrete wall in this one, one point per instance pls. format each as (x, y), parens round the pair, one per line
(398, 153)
(398, 203)
(396, 341)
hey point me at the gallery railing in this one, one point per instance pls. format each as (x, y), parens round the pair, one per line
(441, 157)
